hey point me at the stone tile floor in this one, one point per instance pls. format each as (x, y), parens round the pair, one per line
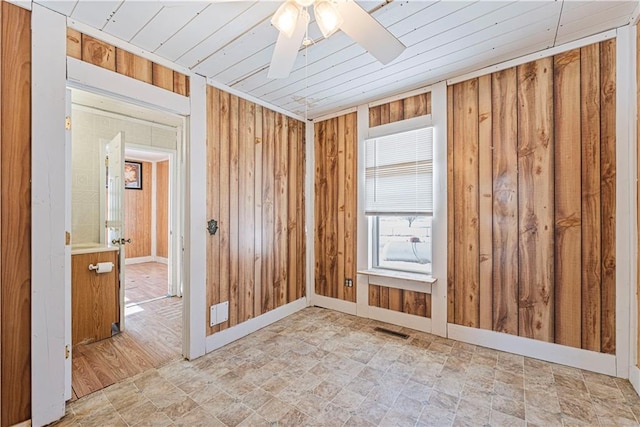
(323, 368)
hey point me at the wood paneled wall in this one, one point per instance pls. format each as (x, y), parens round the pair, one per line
(15, 214)
(336, 206)
(404, 301)
(402, 109)
(532, 205)
(137, 216)
(162, 209)
(255, 190)
(97, 52)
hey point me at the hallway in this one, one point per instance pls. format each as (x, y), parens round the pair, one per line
(152, 336)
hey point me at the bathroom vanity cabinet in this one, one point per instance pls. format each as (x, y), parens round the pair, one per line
(94, 296)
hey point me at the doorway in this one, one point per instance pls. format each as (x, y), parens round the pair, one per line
(147, 332)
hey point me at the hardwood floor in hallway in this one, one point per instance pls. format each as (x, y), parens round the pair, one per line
(152, 336)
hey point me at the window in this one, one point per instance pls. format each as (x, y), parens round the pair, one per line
(399, 199)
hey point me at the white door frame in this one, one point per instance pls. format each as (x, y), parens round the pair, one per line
(52, 72)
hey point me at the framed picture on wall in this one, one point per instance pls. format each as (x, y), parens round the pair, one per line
(133, 175)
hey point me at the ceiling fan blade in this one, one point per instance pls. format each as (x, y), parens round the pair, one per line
(286, 50)
(369, 33)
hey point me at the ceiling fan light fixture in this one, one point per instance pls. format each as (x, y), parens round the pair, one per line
(286, 18)
(327, 17)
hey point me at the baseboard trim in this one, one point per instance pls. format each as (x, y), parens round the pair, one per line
(342, 306)
(406, 320)
(161, 260)
(139, 260)
(222, 338)
(556, 353)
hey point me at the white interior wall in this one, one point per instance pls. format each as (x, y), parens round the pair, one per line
(89, 126)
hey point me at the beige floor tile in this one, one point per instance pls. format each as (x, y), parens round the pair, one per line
(274, 410)
(133, 414)
(436, 416)
(179, 409)
(198, 418)
(358, 421)
(234, 414)
(371, 411)
(157, 419)
(508, 406)
(547, 399)
(108, 416)
(541, 417)
(501, 419)
(323, 368)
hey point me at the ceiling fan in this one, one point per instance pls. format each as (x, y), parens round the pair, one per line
(292, 20)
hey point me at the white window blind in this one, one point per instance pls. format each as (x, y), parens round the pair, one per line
(399, 174)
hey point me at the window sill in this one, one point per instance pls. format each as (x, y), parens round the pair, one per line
(403, 275)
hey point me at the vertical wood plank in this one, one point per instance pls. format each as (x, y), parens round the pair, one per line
(246, 143)
(138, 216)
(395, 299)
(292, 211)
(591, 218)
(320, 207)
(224, 179)
(374, 295)
(341, 208)
(396, 111)
(15, 214)
(2, 267)
(74, 43)
(331, 225)
(258, 174)
(568, 211)
(485, 214)
(162, 209)
(162, 77)
(415, 106)
(302, 245)
(280, 209)
(385, 114)
(180, 84)
(608, 191)
(234, 212)
(268, 219)
(98, 53)
(505, 201)
(213, 197)
(133, 66)
(351, 204)
(243, 247)
(428, 102)
(374, 116)
(535, 189)
(450, 210)
(384, 298)
(414, 303)
(465, 171)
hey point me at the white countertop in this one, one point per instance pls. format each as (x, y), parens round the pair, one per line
(90, 248)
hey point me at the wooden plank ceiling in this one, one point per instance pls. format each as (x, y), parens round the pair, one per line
(231, 42)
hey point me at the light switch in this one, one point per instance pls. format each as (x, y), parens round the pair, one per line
(213, 315)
